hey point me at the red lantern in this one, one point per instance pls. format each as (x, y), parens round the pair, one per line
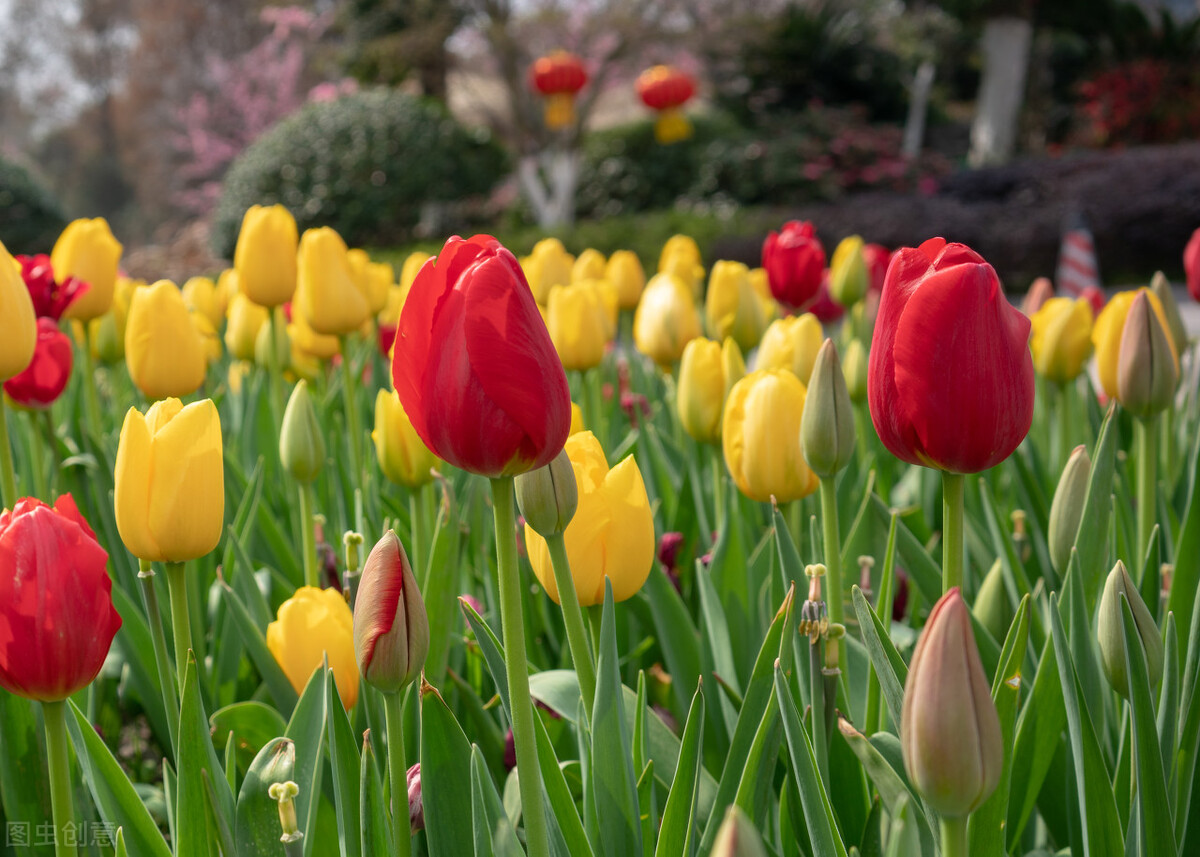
(665, 90)
(558, 77)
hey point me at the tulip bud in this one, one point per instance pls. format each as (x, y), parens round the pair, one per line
(733, 365)
(624, 270)
(416, 809)
(827, 424)
(855, 370)
(949, 730)
(1161, 286)
(1109, 630)
(19, 327)
(1146, 370)
(992, 606)
(1066, 510)
(848, 276)
(391, 630)
(736, 837)
(301, 445)
(547, 497)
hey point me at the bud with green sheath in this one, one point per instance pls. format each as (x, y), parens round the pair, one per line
(391, 630)
(547, 497)
(1161, 286)
(1147, 373)
(855, 369)
(827, 424)
(301, 444)
(1066, 510)
(992, 607)
(1109, 631)
(736, 837)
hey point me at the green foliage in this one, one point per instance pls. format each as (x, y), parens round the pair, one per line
(363, 164)
(30, 216)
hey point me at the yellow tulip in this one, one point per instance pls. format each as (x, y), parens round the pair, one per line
(578, 323)
(612, 533)
(624, 271)
(1106, 335)
(1062, 338)
(731, 308)
(702, 388)
(548, 265)
(761, 437)
(18, 323)
(681, 256)
(88, 251)
(227, 285)
(246, 319)
(209, 338)
(164, 352)
(848, 277)
(107, 333)
(200, 294)
(576, 418)
(373, 278)
(403, 456)
(312, 626)
(308, 342)
(265, 257)
(327, 295)
(666, 319)
(412, 264)
(791, 343)
(393, 306)
(589, 265)
(170, 481)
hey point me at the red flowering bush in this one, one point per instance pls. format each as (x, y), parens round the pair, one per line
(1142, 101)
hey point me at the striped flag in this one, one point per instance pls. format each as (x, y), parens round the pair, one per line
(1077, 268)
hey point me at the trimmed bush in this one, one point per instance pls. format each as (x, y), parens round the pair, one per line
(363, 164)
(30, 216)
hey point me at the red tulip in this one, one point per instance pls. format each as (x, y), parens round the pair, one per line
(474, 365)
(795, 263)
(950, 380)
(1191, 265)
(823, 306)
(387, 337)
(876, 257)
(57, 619)
(44, 380)
(50, 297)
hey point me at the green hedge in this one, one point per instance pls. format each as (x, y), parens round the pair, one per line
(30, 216)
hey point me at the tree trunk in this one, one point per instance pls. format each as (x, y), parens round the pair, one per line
(1006, 43)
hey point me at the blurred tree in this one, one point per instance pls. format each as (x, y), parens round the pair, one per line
(389, 41)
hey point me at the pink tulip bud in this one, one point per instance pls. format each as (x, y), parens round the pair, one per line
(391, 630)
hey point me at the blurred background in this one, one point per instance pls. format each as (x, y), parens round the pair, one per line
(398, 122)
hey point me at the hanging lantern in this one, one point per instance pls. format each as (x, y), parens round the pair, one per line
(558, 77)
(665, 90)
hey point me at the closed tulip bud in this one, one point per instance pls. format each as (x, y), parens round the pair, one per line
(681, 256)
(1147, 372)
(731, 307)
(1062, 338)
(164, 352)
(992, 608)
(200, 295)
(1040, 291)
(246, 319)
(547, 497)
(578, 323)
(736, 837)
(313, 626)
(301, 442)
(18, 324)
(1108, 331)
(666, 319)
(795, 263)
(1191, 265)
(612, 533)
(265, 256)
(47, 375)
(1110, 631)
(1160, 286)
(855, 369)
(547, 266)
(88, 251)
(170, 481)
(701, 390)
(403, 456)
(791, 343)
(624, 270)
(1066, 510)
(949, 729)
(733, 365)
(589, 265)
(328, 296)
(827, 426)
(848, 275)
(760, 435)
(391, 630)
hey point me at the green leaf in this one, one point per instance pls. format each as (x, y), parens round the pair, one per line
(1189, 728)
(197, 756)
(716, 640)
(494, 834)
(648, 808)
(757, 784)
(563, 811)
(345, 766)
(24, 779)
(678, 834)
(257, 827)
(277, 682)
(1091, 541)
(442, 584)
(890, 669)
(374, 828)
(1187, 551)
(253, 725)
(306, 730)
(677, 635)
(445, 779)
(137, 647)
(1039, 731)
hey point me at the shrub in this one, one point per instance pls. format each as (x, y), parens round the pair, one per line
(363, 164)
(30, 216)
(1143, 101)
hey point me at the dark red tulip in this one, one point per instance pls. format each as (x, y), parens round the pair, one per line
(50, 297)
(876, 256)
(823, 306)
(1191, 265)
(795, 263)
(44, 380)
(474, 365)
(950, 379)
(57, 619)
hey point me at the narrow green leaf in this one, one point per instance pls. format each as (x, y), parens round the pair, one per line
(647, 808)
(678, 836)
(374, 828)
(306, 730)
(196, 756)
(1189, 729)
(253, 724)
(445, 778)
(277, 683)
(890, 669)
(1168, 700)
(676, 634)
(564, 814)
(493, 832)
(1186, 580)
(345, 766)
(24, 779)
(1091, 539)
(756, 787)
(1039, 731)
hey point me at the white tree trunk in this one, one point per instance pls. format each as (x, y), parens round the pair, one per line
(1006, 43)
(918, 106)
(549, 180)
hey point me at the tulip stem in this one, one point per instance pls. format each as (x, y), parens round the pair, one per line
(816, 690)
(398, 772)
(1064, 425)
(568, 599)
(418, 528)
(54, 715)
(89, 382)
(1147, 482)
(181, 625)
(37, 456)
(718, 477)
(308, 539)
(161, 658)
(952, 530)
(521, 705)
(954, 837)
(352, 427)
(274, 369)
(833, 548)
(7, 475)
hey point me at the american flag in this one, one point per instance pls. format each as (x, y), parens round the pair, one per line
(1077, 269)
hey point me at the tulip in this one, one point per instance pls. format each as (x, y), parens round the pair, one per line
(301, 441)
(731, 307)
(791, 343)
(55, 600)
(18, 323)
(51, 298)
(760, 433)
(246, 319)
(475, 367)
(942, 306)
(949, 729)
(1147, 370)
(827, 426)
(1040, 291)
(413, 263)
(200, 295)
(548, 496)
(328, 297)
(702, 389)
(855, 369)
(589, 265)
(877, 257)
(107, 333)
(373, 279)
(1062, 338)
(391, 630)
(547, 266)
(1066, 510)
(308, 343)
(848, 275)
(163, 351)
(209, 339)
(1161, 287)
(44, 380)
(612, 533)
(1111, 634)
(578, 322)
(310, 627)
(88, 251)
(170, 481)
(624, 271)
(265, 256)
(823, 306)
(666, 319)
(736, 837)
(795, 263)
(992, 608)
(681, 256)
(403, 457)
(1191, 265)
(1107, 332)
